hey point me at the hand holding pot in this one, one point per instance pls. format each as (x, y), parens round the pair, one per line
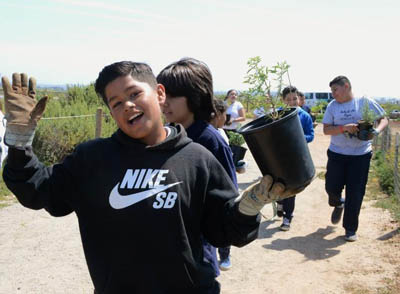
(366, 135)
(265, 191)
(350, 128)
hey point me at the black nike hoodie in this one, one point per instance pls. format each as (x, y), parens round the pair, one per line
(142, 210)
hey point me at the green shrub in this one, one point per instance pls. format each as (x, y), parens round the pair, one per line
(384, 172)
(319, 117)
(56, 138)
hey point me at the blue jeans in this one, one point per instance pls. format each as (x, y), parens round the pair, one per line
(349, 172)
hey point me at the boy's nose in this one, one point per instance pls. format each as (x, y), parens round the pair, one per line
(128, 105)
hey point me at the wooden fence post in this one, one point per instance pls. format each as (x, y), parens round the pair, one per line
(383, 141)
(396, 169)
(99, 118)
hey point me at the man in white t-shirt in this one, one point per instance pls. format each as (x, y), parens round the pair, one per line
(348, 156)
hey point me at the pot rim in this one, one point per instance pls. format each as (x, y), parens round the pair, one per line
(249, 129)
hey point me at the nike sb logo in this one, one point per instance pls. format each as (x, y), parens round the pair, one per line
(142, 179)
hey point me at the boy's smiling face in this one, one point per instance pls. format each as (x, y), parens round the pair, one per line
(292, 99)
(135, 107)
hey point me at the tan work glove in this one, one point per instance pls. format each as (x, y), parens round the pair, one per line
(22, 110)
(257, 195)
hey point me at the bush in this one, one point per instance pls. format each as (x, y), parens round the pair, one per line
(384, 172)
(56, 138)
(319, 117)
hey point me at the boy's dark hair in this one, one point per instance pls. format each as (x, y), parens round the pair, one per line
(287, 90)
(340, 80)
(220, 105)
(192, 79)
(139, 71)
(301, 94)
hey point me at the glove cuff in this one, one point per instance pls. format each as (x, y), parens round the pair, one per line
(249, 204)
(15, 137)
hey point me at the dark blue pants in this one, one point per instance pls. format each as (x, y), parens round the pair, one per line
(224, 252)
(210, 256)
(349, 172)
(288, 207)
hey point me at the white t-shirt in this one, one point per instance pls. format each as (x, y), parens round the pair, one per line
(223, 134)
(346, 113)
(233, 110)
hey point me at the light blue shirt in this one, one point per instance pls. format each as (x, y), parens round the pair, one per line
(345, 113)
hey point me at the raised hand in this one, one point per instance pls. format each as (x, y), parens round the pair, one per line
(22, 111)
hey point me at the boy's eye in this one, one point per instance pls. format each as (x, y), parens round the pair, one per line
(116, 104)
(134, 95)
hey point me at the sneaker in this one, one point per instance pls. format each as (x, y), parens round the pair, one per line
(337, 214)
(285, 226)
(225, 264)
(350, 236)
(241, 167)
(279, 210)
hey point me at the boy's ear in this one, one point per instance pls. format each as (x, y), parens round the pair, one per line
(161, 96)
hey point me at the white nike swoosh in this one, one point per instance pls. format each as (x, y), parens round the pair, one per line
(119, 201)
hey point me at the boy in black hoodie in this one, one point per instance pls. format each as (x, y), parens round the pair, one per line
(143, 197)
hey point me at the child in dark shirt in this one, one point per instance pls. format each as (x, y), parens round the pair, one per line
(144, 197)
(189, 101)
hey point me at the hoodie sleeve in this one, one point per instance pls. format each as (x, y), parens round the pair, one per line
(223, 225)
(308, 129)
(37, 186)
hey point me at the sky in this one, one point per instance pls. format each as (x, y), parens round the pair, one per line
(69, 42)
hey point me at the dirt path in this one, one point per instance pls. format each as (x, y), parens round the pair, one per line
(41, 254)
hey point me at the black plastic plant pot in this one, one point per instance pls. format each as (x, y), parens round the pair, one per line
(280, 149)
(362, 125)
(238, 153)
(228, 118)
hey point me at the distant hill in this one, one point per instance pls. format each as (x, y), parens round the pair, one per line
(392, 100)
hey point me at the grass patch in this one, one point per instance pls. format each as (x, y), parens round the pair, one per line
(321, 175)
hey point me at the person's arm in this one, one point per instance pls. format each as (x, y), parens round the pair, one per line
(223, 225)
(232, 220)
(241, 116)
(308, 128)
(330, 128)
(37, 186)
(23, 174)
(337, 130)
(382, 124)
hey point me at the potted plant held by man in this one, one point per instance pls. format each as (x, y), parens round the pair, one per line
(276, 140)
(367, 121)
